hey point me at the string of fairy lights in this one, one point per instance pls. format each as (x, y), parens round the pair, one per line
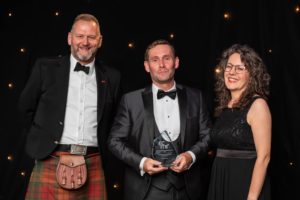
(227, 16)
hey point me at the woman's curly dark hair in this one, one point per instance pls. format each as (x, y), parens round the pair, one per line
(259, 78)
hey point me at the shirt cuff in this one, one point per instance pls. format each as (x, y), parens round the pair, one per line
(142, 172)
(193, 157)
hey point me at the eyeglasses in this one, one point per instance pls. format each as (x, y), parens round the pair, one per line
(237, 68)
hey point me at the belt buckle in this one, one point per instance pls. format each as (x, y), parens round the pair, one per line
(78, 149)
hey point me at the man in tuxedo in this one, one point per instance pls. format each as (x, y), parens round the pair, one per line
(68, 104)
(161, 133)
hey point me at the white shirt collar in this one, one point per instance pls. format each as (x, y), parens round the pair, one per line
(155, 88)
(73, 62)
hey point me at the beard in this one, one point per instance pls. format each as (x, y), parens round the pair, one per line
(83, 58)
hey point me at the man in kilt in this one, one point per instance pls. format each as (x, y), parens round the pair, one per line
(68, 103)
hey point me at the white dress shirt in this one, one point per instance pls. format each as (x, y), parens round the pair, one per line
(81, 109)
(166, 114)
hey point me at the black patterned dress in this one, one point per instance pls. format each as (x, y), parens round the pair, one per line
(233, 166)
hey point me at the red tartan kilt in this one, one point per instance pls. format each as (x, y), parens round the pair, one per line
(43, 185)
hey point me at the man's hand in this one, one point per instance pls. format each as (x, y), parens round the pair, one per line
(182, 162)
(153, 166)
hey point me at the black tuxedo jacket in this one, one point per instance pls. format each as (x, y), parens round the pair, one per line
(43, 102)
(132, 135)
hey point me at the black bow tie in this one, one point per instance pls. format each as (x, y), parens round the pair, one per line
(83, 68)
(161, 94)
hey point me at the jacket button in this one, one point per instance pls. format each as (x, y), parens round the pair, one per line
(56, 142)
(61, 123)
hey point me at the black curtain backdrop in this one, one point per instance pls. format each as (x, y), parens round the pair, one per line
(201, 33)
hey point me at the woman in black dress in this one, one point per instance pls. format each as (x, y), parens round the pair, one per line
(242, 131)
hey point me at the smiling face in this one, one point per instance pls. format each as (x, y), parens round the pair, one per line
(236, 80)
(161, 64)
(85, 38)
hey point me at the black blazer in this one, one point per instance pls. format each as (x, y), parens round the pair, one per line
(43, 102)
(132, 135)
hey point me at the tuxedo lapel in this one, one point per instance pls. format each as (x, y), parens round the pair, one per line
(102, 82)
(182, 101)
(149, 115)
(63, 76)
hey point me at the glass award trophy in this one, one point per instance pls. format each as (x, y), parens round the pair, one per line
(163, 149)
